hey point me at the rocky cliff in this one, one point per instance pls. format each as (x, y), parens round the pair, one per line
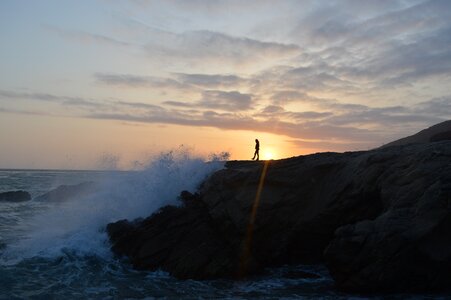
(380, 220)
(436, 133)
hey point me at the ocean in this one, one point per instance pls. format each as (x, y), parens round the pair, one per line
(58, 248)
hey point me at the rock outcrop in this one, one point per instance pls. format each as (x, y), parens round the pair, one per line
(380, 220)
(66, 192)
(436, 133)
(15, 196)
(181, 240)
(408, 246)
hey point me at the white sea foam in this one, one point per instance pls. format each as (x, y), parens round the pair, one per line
(78, 225)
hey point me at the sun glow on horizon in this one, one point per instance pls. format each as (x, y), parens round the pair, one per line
(114, 83)
(268, 154)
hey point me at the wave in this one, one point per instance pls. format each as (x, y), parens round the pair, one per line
(78, 225)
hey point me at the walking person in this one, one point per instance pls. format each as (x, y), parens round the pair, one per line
(257, 149)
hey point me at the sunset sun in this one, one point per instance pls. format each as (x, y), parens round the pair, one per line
(268, 154)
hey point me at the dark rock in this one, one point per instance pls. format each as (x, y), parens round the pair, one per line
(408, 247)
(181, 240)
(119, 231)
(442, 136)
(188, 198)
(299, 274)
(15, 196)
(438, 132)
(295, 220)
(303, 201)
(66, 192)
(379, 219)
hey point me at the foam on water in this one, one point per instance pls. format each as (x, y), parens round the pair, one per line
(59, 249)
(78, 225)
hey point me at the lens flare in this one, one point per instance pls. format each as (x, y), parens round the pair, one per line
(268, 155)
(246, 254)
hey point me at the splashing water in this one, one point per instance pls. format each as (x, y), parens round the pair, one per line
(78, 225)
(59, 249)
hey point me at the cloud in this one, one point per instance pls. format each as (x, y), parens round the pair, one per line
(90, 105)
(204, 48)
(309, 115)
(137, 105)
(352, 50)
(128, 80)
(293, 96)
(346, 46)
(353, 23)
(333, 145)
(335, 122)
(440, 107)
(420, 59)
(217, 99)
(231, 101)
(212, 80)
(382, 118)
(87, 37)
(179, 104)
(274, 111)
(185, 82)
(205, 44)
(33, 96)
(287, 96)
(65, 100)
(322, 78)
(231, 121)
(24, 112)
(197, 48)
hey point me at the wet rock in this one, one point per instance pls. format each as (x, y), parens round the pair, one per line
(188, 198)
(379, 219)
(442, 136)
(436, 133)
(408, 247)
(15, 196)
(67, 192)
(299, 274)
(180, 240)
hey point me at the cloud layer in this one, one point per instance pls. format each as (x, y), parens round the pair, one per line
(334, 125)
(330, 75)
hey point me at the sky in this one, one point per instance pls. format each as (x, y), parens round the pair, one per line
(107, 84)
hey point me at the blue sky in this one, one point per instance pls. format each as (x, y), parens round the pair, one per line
(81, 80)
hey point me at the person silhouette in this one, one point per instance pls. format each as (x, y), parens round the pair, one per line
(257, 148)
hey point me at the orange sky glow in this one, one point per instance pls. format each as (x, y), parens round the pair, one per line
(110, 84)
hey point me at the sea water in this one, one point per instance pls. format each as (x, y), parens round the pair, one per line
(59, 249)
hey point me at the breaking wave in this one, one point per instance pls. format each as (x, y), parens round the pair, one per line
(78, 224)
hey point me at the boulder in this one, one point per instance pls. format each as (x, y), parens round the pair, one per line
(181, 240)
(408, 246)
(66, 192)
(15, 196)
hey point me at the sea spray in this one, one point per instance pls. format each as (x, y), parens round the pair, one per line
(60, 249)
(78, 225)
